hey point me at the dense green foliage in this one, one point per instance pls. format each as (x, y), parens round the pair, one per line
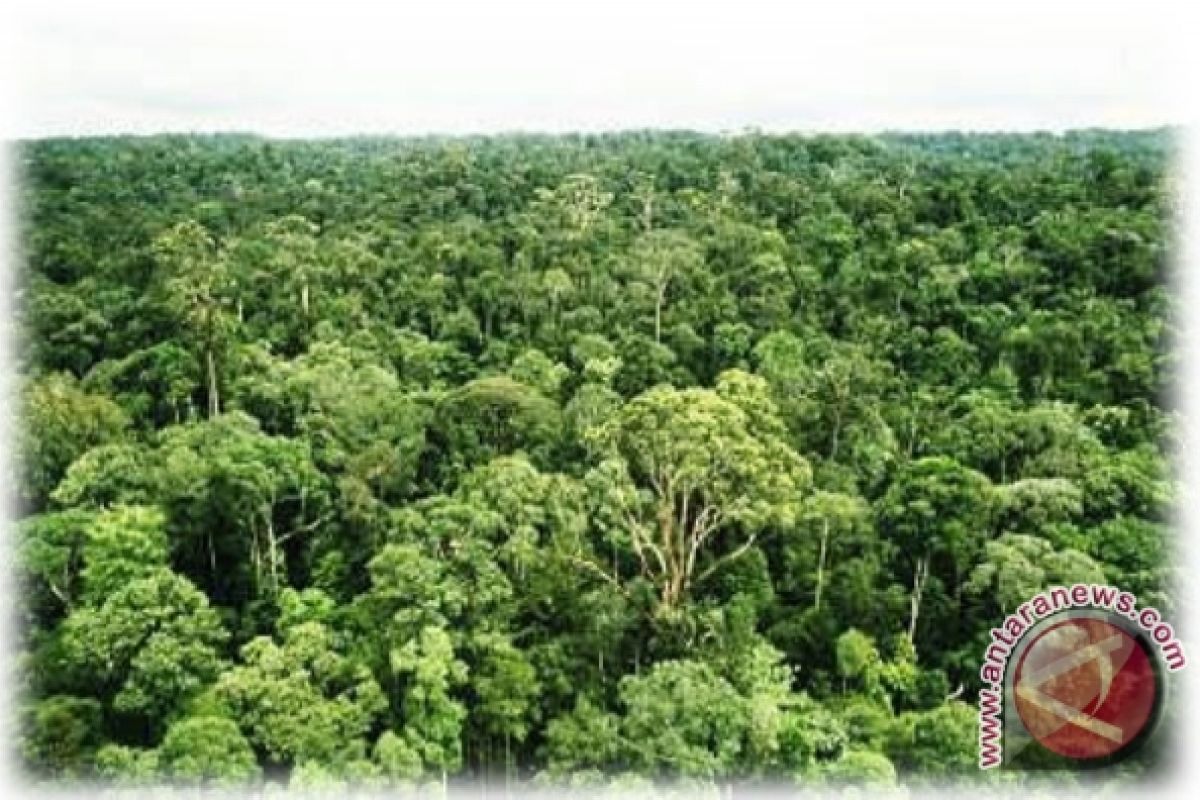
(571, 459)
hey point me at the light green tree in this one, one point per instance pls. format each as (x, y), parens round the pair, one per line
(60, 422)
(153, 643)
(691, 465)
(301, 700)
(433, 718)
(206, 751)
(199, 292)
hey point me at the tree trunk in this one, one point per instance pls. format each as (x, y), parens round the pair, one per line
(272, 553)
(821, 563)
(919, 576)
(837, 430)
(304, 298)
(214, 397)
(670, 580)
(658, 318)
(256, 557)
(212, 556)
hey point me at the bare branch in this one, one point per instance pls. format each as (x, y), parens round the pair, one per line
(597, 570)
(304, 528)
(62, 597)
(725, 559)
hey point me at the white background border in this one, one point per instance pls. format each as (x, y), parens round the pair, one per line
(1177, 98)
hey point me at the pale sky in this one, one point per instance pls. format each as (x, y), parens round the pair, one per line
(293, 69)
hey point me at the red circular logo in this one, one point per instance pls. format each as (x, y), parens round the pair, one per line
(1085, 688)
